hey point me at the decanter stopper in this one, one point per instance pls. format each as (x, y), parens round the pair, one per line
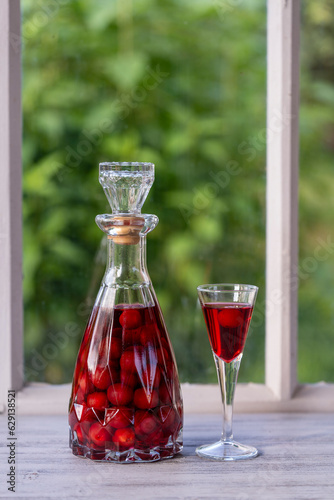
(126, 185)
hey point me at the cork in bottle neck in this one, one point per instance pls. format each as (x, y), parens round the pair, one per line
(126, 229)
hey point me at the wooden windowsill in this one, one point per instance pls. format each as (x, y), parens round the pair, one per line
(295, 461)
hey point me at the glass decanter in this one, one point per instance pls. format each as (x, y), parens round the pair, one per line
(126, 403)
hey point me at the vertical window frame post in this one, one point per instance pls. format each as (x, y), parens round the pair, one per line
(283, 43)
(11, 313)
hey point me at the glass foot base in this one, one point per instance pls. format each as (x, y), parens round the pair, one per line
(226, 450)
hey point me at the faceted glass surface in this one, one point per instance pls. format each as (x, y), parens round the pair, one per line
(126, 185)
(126, 403)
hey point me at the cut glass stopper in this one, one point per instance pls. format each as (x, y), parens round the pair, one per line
(126, 185)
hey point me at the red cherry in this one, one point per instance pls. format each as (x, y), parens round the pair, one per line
(145, 423)
(115, 376)
(167, 416)
(150, 377)
(165, 393)
(145, 399)
(162, 355)
(105, 375)
(130, 319)
(80, 396)
(91, 415)
(130, 337)
(82, 357)
(119, 417)
(230, 317)
(146, 362)
(120, 395)
(127, 361)
(128, 378)
(115, 348)
(170, 372)
(88, 417)
(83, 381)
(148, 334)
(97, 400)
(79, 433)
(157, 438)
(124, 438)
(99, 434)
(101, 377)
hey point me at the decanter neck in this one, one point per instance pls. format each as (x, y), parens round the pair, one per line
(126, 264)
(126, 247)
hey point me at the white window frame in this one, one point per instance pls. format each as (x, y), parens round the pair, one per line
(11, 309)
(281, 391)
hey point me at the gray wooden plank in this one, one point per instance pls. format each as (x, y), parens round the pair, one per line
(296, 462)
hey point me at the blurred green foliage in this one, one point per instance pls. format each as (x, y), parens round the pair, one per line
(181, 84)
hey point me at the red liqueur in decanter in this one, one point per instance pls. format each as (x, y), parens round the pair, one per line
(126, 403)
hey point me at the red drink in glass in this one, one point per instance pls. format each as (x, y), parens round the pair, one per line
(227, 310)
(227, 325)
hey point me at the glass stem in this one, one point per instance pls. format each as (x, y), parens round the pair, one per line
(227, 377)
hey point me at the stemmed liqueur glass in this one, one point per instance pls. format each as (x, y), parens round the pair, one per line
(227, 310)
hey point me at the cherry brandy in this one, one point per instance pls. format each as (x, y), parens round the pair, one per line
(126, 404)
(227, 325)
(227, 310)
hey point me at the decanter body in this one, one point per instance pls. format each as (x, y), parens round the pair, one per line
(126, 404)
